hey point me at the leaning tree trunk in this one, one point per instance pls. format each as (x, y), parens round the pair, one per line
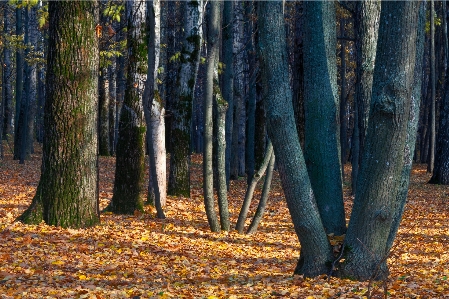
(154, 113)
(213, 34)
(320, 103)
(130, 162)
(315, 248)
(382, 165)
(67, 194)
(179, 179)
(366, 24)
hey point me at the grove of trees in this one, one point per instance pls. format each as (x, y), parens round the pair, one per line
(299, 87)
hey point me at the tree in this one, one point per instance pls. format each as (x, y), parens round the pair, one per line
(376, 200)
(154, 113)
(430, 165)
(213, 34)
(130, 153)
(179, 180)
(320, 95)
(366, 23)
(7, 74)
(67, 194)
(315, 248)
(19, 83)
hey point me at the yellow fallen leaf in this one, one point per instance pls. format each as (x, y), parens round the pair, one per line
(82, 277)
(58, 263)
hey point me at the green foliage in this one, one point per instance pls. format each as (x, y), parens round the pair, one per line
(42, 15)
(438, 21)
(176, 57)
(23, 3)
(113, 11)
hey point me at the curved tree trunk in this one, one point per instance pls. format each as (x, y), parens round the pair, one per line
(315, 248)
(130, 163)
(67, 194)
(383, 157)
(320, 103)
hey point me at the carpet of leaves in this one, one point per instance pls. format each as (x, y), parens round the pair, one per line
(139, 256)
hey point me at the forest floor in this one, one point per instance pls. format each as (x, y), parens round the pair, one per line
(139, 256)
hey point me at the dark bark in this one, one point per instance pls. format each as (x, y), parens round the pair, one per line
(103, 87)
(19, 84)
(130, 163)
(383, 157)
(343, 97)
(7, 75)
(432, 90)
(67, 194)
(321, 117)
(315, 248)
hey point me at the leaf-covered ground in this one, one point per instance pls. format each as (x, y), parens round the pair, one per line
(142, 257)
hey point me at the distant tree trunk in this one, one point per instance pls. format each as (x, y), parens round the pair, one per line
(7, 76)
(315, 248)
(382, 166)
(431, 162)
(320, 95)
(366, 24)
(441, 170)
(112, 93)
(213, 34)
(250, 189)
(181, 120)
(130, 163)
(252, 95)
(68, 196)
(19, 84)
(263, 198)
(154, 112)
(228, 78)
(104, 149)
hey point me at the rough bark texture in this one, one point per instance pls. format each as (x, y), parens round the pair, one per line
(320, 102)
(67, 194)
(315, 248)
(213, 34)
(432, 90)
(380, 175)
(179, 180)
(130, 166)
(366, 24)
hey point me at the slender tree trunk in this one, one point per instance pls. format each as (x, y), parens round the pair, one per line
(343, 104)
(213, 34)
(432, 89)
(130, 163)
(154, 112)
(228, 78)
(263, 199)
(67, 194)
(250, 189)
(315, 248)
(383, 157)
(19, 84)
(321, 117)
(7, 76)
(103, 95)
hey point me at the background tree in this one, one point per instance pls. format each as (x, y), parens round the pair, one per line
(67, 194)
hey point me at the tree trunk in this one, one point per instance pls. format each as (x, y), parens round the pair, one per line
(19, 84)
(213, 42)
(431, 162)
(383, 157)
(250, 189)
(343, 97)
(154, 112)
(228, 78)
(320, 94)
(181, 120)
(104, 149)
(130, 163)
(315, 248)
(7, 76)
(67, 194)
(366, 24)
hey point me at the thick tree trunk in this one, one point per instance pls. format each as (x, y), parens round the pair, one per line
(130, 163)
(213, 34)
(181, 120)
(67, 194)
(154, 113)
(320, 95)
(382, 165)
(315, 248)
(343, 93)
(366, 24)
